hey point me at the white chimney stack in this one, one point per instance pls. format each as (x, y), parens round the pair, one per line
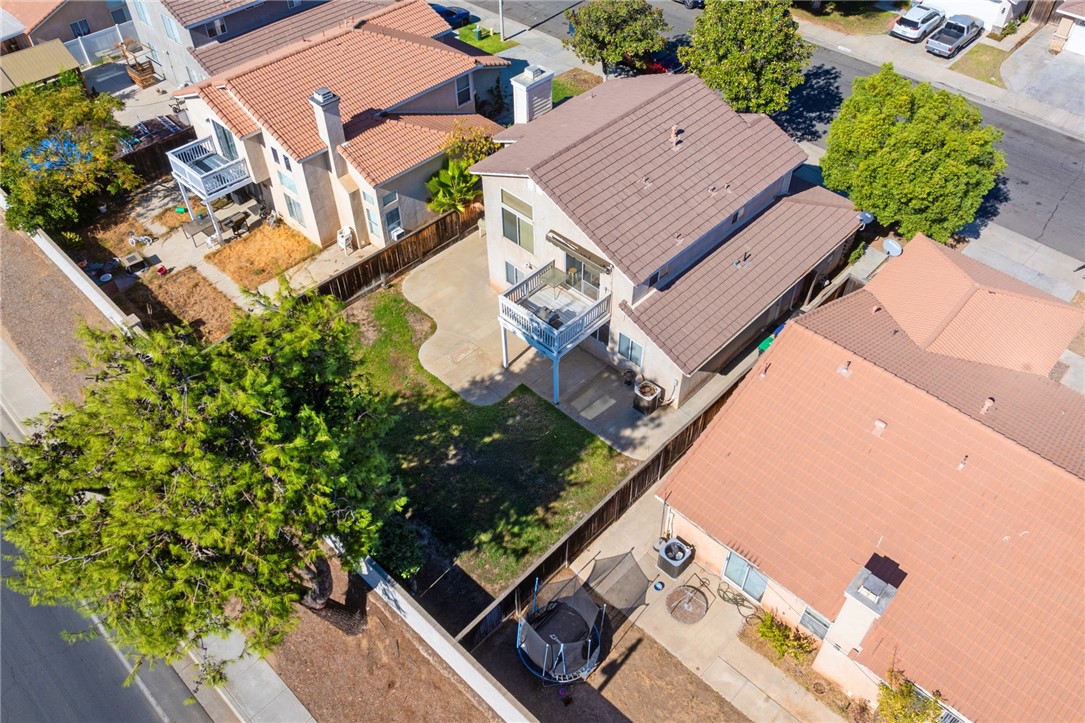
(532, 93)
(329, 125)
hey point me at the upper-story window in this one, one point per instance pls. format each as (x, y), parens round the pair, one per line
(225, 141)
(369, 198)
(516, 221)
(291, 4)
(171, 28)
(192, 76)
(119, 13)
(463, 90)
(389, 198)
(80, 28)
(737, 215)
(216, 28)
(141, 12)
(287, 182)
(282, 160)
(154, 52)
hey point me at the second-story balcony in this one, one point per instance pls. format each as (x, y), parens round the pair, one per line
(201, 169)
(553, 310)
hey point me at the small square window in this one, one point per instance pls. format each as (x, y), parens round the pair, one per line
(389, 198)
(275, 155)
(463, 90)
(513, 275)
(216, 28)
(653, 279)
(291, 4)
(286, 162)
(80, 28)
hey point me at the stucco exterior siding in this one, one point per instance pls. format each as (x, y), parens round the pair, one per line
(58, 25)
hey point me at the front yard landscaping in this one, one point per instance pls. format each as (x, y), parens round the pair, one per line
(572, 83)
(853, 18)
(497, 485)
(490, 42)
(982, 63)
(262, 254)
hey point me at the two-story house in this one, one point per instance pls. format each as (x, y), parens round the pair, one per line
(652, 225)
(27, 23)
(340, 131)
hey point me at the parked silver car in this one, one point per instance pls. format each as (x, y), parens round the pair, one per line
(959, 31)
(916, 24)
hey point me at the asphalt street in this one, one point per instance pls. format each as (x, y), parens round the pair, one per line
(1041, 195)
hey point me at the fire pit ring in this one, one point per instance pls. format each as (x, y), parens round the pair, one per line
(687, 604)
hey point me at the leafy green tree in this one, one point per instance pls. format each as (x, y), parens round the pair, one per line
(453, 188)
(750, 51)
(613, 32)
(912, 155)
(900, 701)
(469, 143)
(58, 154)
(191, 494)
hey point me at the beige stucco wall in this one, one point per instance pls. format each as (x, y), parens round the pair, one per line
(440, 99)
(854, 679)
(57, 26)
(413, 194)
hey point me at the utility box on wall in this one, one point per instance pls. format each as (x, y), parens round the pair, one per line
(532, 93)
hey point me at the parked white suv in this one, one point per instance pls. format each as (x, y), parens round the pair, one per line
(916, 24)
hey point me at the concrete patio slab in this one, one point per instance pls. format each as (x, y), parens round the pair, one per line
(465, 353)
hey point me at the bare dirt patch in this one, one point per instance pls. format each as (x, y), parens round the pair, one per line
(183, 296)
(262, 254)
(386, 673)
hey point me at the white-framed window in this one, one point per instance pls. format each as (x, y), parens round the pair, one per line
(120, 15)
(154, 52)
(170, 27)
(80, 28)
(192, 77)
(393, 220)
(216, 28)
(630, 349)
(374, 225)
(814, 622)
(513, 275)
(389, 198)
(463, 90)
(293, 208)
(287, 182)
(225, 141)
(141, 12)
(516, 223)
(369, 198)
(739, 571)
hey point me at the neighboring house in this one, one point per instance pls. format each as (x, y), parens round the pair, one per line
(340, 131)
(994, 14)
(12, 34)
(65, 20)
(38, 64)
(649, 223)
(899, 475)
(1071, 31)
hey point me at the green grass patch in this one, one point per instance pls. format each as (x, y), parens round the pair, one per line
(982, 62)
(491, 42)
(498, 484)
(572, 83)
(852, 18)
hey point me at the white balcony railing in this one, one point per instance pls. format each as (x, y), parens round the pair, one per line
(555, 342)
(199, 167)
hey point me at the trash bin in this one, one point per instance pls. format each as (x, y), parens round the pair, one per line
(647, 397)
(478, 32)
(674, 557)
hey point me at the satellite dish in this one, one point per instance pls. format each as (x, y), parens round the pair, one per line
(893, 248)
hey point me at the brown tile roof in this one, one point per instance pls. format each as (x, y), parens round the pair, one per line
(372, 68)
(218, 57)
(31, 13)
(978, 314)
(590, 157)
(791, 475)
(191, 12)
(695, 316)
(222, 104)
(382, 148)
(410, 16)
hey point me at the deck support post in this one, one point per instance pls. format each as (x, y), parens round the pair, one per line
(504, 348)
(184, 199)
(556, 359)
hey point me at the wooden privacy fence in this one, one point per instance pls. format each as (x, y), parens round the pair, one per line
(393, 260)
(512, 601)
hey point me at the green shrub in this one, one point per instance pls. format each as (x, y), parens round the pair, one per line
(856, 254)
(784, 639)
(900, 701)
(398, 550)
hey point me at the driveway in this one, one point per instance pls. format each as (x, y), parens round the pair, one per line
(465, 353)
(1057, 80)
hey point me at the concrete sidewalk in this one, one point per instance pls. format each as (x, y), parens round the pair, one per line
(911, 61)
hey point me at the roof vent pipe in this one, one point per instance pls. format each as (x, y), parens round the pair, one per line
(987, 405)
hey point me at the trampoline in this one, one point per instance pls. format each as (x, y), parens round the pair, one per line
(560, 642)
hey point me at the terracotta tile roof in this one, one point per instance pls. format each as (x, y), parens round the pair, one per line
(218, 57)
(382, 148)
(592, 154)
(372, 69)
(31, 13)
(191, 12)
(791, 475)
(413, 16)
(978, 314)
(696, 315)
(222, 104)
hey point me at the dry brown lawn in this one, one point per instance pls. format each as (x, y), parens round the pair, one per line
(262, 254)
(104, 239)
(183, 296)
(169, 218)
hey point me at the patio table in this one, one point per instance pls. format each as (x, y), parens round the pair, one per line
(201, 225)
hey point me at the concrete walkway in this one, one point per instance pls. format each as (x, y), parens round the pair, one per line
(465, 354)
(913, 61)
(711, 647)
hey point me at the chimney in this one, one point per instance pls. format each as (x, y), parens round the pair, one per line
(532, 93)
(329, 125)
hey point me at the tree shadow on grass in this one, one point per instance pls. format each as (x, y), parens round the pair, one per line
(813, 105)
